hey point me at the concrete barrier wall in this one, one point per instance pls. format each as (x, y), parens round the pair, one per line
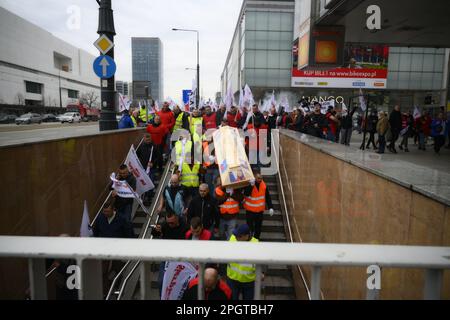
(44, 188)
(332, 201)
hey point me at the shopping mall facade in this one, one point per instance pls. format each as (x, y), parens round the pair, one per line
(271, 37)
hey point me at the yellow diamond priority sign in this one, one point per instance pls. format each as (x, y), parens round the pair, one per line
(103, 44)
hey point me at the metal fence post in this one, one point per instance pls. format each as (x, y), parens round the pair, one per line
(91, 280)
(146, 280)
(433, 284)
(38, 282)
(258, 283)
(315, 283)
(201, 282)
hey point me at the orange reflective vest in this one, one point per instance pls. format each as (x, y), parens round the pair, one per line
(257, 200)
(230, 206)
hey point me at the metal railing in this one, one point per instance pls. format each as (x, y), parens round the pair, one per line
(91, 226)
(110, 194)
(163, 183)
(89, 252)
(286, 211)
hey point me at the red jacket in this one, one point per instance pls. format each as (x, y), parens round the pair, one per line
(158, 133)
(210, 121)
(233, 119)
(167, 119)
(205, 235)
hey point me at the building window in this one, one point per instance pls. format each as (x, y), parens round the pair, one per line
(62, 62)
(73, 94)
(33, 87)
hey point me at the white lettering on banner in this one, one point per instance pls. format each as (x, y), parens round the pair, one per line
(323, 99)
(176, 280)
(143, 181)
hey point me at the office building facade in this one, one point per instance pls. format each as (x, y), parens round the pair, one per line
(38, 69)
(148, 64)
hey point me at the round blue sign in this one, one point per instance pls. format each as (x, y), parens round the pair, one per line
(105, 67)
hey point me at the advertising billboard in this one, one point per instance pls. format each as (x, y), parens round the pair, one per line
(364, 67)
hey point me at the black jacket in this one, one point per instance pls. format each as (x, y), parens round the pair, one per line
(219, 117)
(205, 208)
(119, 228)
(168, 233)
(347, 121)
(272, 121)
(395, 120)
(144, 152)
(372, 124)
(321, 122)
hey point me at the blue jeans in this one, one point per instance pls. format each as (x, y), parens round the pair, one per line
(421, 140)
(247, 290)
(227, 227)
(330, 136)
(382, 146)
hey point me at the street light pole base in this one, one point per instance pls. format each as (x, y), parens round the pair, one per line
(108, 121)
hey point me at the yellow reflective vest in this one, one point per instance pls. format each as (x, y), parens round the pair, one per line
(243, 273)
(187, 152)
(194, 124)
(143, 115)
(190, 176)
(178, 122)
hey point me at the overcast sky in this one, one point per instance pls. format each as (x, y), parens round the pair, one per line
(215, 19)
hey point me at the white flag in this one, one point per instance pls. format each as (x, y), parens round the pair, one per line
(417, 113)
(85, 230)
(124, 103)
(248, 96)
(229, 99)
(362, 101)
(344, 109)
(273, 102)
(143, 182)
(285, 104)
(241, 98)
(176, 280)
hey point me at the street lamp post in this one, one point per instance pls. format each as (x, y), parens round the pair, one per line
(198, 62)
(108, 119)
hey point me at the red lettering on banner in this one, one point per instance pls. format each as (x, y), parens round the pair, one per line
(172, 284)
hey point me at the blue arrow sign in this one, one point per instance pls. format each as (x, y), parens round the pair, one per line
(105, 67)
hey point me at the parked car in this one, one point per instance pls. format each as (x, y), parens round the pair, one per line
(29, 118)
(49, 118)
(71, 117)
(6, 119)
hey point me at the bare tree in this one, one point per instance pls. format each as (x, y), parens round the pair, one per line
(89, 98)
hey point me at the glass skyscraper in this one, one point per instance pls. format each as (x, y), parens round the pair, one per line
(148, 64)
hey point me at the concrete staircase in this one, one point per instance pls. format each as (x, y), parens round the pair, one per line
(278, 283)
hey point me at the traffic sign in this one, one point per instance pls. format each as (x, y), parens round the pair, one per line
(104, 44)
(105, 67)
